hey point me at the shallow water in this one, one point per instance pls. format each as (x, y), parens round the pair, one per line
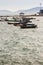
(21, 46)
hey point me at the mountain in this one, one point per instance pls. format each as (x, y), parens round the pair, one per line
(6, 12)
(29, 11)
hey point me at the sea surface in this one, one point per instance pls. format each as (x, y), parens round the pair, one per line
(21, 46)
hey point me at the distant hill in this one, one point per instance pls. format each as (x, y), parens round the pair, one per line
(5, 12)
(28, 11)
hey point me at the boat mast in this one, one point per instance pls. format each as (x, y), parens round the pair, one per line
(40, 5)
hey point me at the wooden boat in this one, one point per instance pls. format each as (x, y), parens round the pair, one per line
(16, 23)
(10, 22)
(28, 26)
(19, 23)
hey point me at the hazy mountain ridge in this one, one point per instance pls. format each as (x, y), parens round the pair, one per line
(6, 12)
(28, 11)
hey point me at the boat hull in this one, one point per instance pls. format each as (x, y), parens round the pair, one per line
(29, 26)
(16, 23)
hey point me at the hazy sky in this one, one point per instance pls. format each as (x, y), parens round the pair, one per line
(15, 5)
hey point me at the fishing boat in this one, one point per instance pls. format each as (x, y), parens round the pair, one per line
(16, 23)
(19, 23)
(10, 22)
(28, 26)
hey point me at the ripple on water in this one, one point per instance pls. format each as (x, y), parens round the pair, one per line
(21, 46)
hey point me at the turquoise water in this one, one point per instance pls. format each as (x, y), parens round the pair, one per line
(21, 46)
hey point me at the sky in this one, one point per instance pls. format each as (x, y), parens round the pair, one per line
(14, 5)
